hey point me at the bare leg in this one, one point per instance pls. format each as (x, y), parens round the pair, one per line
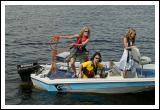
(72, 62)
(125, 73)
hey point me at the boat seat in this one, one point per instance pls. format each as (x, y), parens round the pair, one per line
(141, 60)
(145, 60)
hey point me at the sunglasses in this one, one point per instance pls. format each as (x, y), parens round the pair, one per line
(85, 31)
(97, 58)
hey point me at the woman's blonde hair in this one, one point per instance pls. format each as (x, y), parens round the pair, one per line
(130, 31)
(83, 29)
(128, 34)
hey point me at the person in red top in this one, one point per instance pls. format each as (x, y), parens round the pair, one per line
(78, 49)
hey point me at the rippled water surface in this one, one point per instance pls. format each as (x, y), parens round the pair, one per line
(28, 30)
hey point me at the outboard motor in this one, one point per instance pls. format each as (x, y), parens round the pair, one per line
(25, 70)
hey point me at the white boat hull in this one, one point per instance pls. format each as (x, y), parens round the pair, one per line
(110, 84)
(103, 87)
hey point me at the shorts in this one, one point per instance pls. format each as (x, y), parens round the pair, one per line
(79, 56)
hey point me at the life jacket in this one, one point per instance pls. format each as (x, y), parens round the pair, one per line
(91, 73)
(79, 41)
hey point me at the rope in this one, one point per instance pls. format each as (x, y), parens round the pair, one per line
(55, 49)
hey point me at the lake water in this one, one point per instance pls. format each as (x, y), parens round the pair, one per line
(28, 29)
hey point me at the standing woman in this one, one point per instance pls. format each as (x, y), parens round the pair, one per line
(79, 48)
(128, 42)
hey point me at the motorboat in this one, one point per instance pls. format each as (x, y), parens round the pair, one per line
(111, 82)
(112, 79)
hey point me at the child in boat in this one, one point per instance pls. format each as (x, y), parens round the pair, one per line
(89, 69)
(126, 61)
(78, 49)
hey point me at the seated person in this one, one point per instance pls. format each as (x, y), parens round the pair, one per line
(89, 69)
